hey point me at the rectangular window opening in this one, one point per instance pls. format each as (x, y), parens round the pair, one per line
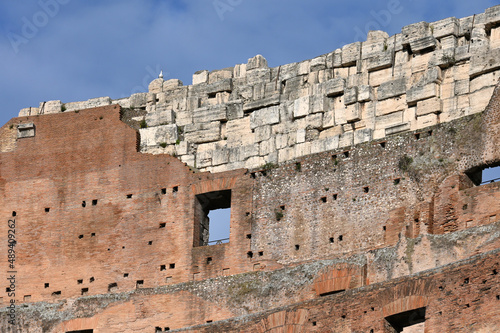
(413, 320)
(484, 175)
(212, 218)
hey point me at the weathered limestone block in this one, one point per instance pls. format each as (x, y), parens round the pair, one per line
(446, 27)
(153, 136)
(220, 156)
(28, 112)
(331, 132)
(234, 109)
(495, 38)
(484, 62)
(267, 147)
(423, 44)
(200, 77)
(427, 120)
(353, 113)
(326, 144)
(449, 42)
(301, 107)
(256, 62)
(203, 159)
(209, 114)
(431, 105)
(418, 93)
(171, 85)
(302, 149)
(261, 103)
(462, 53)
(346, 139)
(479, 99)
(415, 31)
(156, 86)
(337, 58)
(363, 135)
(138, 100)
(314, 120)
(220, 86)
(379, 61)
(123, 102)
(398, 128)
(351, 95)
(420, 62)
(461, 87)
(318, 64)
(376, 78)
(304, 67)
(258, 75)
(265, 116)
(319, 103)
(334, 87)
(202, 132)
(443, 58)
(220, 74)
(391, 88)
(328, 119)
(375, 44)
(365, 93)
(390, 105)
(263, 133)
(300, 135)
(492, 16)
(479, 40)
(240, 71)
(50, 107)
(466, 25)
(162, 117)
(351, 53)
(389, 120)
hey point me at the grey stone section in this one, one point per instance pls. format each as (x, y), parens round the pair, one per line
(249, 114)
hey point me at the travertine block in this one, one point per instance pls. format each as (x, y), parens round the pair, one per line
(265, 116)
(418, 93)
(495, 38)
(319, 103)
(397, 128)
(302, 149)
(388, 120)
(446, 27)
(318, 64)
(363, 135)
(479, 99)
(353, 113)
(162, 117)
(365, 93)
(391, 88)
(199, 77)
(202, 132)
(240, 71)
(219, 86)
(261, 103)
(484, 62)
(427, 120)
(346, 139)
(337, 58)
(492, 15)
(301, 107)
(304, 67)
(449, 42)
(334, 87)
(423, 44)
(390, 105)
(351, 53)
(256, 62)
(153, 136)
(431, 105)
(267, 147)
(351, 95)
(209, 114)
(376, 78)
(263, 133)
(379, 61)
(328, 119)
(485, 80)
(220, 156)
(420, 62)
(314, 120)
(170, 85)
(414, 31)
(331, 132)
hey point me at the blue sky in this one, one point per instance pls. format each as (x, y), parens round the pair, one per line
(74, 50)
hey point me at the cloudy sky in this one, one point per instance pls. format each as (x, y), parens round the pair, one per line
(73, 50)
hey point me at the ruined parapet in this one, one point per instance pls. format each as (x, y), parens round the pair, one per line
(250, 114)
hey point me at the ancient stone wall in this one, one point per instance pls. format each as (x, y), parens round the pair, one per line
(377, 221)
(249, 115)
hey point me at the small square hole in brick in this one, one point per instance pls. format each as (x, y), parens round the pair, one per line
(139, 283)
(335, 196)
(163, 225)
(150, 243)
(209, 260)
(85, 291)
(94, 202)
(261, 253)
(341, 237)
(129, 196)
(366, 189)
(84, 204)
(47, 209)
(332, 240)
(397, 181)
(250, 254)
(80, 236)
(78, 281)
(163, 267)
(14, 213)
(297, 247)
(92, 279)
(125, 275)
(163, 191)
(171, 266)
(46, 285)
(249, 236)
(175, 189)
(323, 199)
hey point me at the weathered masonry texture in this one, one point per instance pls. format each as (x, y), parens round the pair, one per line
(354, 182)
